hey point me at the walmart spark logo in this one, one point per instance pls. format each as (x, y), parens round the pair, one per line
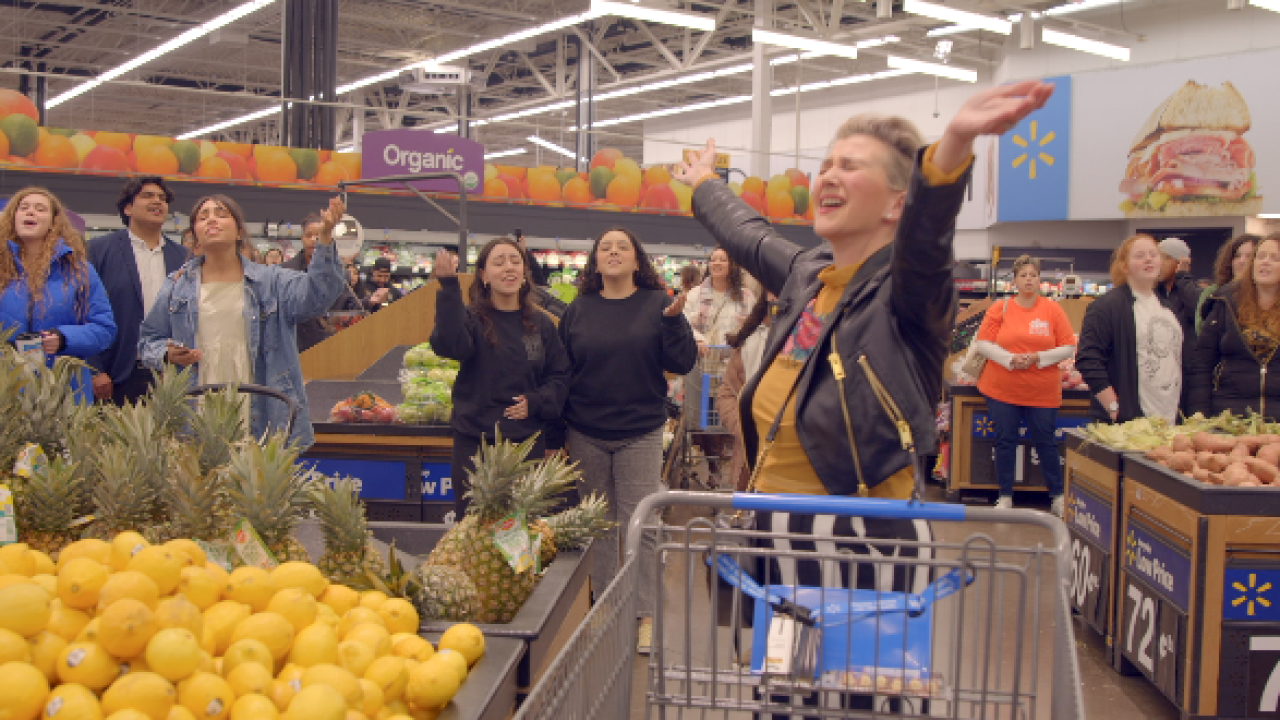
(983, 427)
(1251, 595)
(1130, 548)
(1033, 147)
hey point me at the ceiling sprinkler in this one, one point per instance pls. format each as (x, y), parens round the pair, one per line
(943, 50)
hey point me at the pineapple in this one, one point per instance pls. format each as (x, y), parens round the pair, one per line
(572, 528)
(124, 497)
(268, 489)
(445, 592)
(47, 505)
(347, 553)
(47, 402)
(196, 502)
(167, 399)
(217, 426)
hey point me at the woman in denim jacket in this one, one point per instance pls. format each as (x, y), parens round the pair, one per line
(236, 320)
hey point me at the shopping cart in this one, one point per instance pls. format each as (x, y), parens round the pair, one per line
(984, 632)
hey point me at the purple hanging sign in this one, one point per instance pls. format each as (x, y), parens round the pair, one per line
(406, 152)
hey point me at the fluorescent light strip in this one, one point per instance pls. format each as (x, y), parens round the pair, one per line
(928, 68)
(851, 80)
(185, 38)
(373, 80)
(1080, 6)
(950, 30)
(959, 17)
(705, 23)
(550, 146)
(1075, 42)
(505, 153)
(1272, 5)
(229, 123)
(814, 45)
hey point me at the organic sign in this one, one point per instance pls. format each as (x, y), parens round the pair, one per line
(406, 152)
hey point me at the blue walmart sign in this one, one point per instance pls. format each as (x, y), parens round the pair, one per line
(1251, 594)
(985, 428)
(1035, 161)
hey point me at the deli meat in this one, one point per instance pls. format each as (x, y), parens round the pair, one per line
(1193, 164)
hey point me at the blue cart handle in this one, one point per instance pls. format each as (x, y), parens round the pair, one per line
(848, 506)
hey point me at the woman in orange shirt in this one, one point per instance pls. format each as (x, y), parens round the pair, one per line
(1024, 338)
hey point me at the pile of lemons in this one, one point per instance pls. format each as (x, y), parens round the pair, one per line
(126, 630)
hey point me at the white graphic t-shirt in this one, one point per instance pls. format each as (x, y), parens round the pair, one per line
(1159, 357)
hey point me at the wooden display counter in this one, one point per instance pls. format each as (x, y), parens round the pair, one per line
(1094, 478)
(1198, 607)
(973, 435)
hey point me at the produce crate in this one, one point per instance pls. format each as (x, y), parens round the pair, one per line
(700, 387)
(1094, 481)
(1198, 604)
(489, 692)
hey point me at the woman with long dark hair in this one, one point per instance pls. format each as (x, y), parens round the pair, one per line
(718, 305)
(514, 372)
(622, 333)
(1233, 262)
(48, 287)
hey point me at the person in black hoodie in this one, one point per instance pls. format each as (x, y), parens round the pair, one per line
(1235, 359)
(514, 370)
(622, 333)
(1132, 342)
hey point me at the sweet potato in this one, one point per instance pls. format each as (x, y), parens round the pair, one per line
(1201, 474)
(1160, 454)
(1253, 442)
(1240, 452)
(1181, 443)
(1213, 443)
(1270, 453)
(1215, 478)
(1236, 474)
(1213, 462)
(1182, 461)
(1264, 471)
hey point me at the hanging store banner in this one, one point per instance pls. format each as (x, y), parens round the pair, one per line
(409, 152)
(1035, 161)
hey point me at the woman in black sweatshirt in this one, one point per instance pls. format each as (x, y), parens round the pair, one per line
(514, 371)
(622, 333)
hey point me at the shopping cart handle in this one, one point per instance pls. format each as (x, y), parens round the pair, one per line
(847, 506)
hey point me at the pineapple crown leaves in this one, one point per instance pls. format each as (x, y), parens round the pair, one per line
(123, 496)
(498, 468)
(340, 512)
(542, 485)
(167, 399)
(217, 425)
(196, 500)
(43, 498)
(47, 400)
(575, 526)
(398, 582)
(267, 487)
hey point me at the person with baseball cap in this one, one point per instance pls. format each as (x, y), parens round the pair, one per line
(1176, 284)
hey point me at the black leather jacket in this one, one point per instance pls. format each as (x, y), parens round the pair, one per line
(892, 325)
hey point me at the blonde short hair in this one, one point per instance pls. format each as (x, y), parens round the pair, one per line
(898, 133)
(1023, 261)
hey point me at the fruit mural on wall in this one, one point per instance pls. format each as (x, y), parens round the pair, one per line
(617, 183)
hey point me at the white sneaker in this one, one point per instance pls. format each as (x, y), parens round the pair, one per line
(1057, 505)
(1004, 502)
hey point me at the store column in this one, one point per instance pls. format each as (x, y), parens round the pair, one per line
(35, 86)
(761, 100)
(309, 70)
(586, 115)
(464, 110)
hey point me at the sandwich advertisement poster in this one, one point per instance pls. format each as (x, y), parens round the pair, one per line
(1188, 139)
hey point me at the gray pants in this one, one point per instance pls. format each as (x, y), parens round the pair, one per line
(625, 472)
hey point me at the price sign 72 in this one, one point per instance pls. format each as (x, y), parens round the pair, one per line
(1152, 632)
(1141, 604)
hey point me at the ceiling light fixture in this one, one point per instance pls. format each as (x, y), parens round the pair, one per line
(1075, 42)
(928, 68)
(1075, 7)
(505, 153)
(851, 80)
(1272, 5)
(950, 30)
(185, 38)
(1269, 216)
(705, 23)
(229, 123)
(550, 146)
(798, 42)
(959, 17)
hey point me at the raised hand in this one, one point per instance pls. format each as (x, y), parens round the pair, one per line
(705, 164)
(993, 111)
(676, 307)
(446, 265)
(329, 219)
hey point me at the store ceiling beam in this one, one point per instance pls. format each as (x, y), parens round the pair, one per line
(837, 14)
(591, 47)
(810, 16)
(658, 44)
(537, 74)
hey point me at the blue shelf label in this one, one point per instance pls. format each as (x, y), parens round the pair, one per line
(1251, 594)
(376, 479)
(1090, 516)
(437, 485)
(1164, 567)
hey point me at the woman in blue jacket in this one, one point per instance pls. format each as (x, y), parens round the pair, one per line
(235, 320)
(48, 285)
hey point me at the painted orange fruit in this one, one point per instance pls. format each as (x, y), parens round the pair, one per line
(577, 192)
(12, 101)
(332, 173)
(606, 158)
(660, 198)
(214, 167)
(624, 191)
(239, 167)
(753, 199)
(518, 173)
(156, 160)
(56, 152)
(120, 141)
(105, 158)
(350, 161)
(753, 184)
(4, 145)
(495, 188)
(657, 175)
(780, 204)
(798, 179)
(244, 150)
(276, 166)
(142, 142)
(544, 187)
(515, 186)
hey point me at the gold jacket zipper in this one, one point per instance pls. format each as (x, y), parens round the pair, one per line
(837, 369)
(890, 407)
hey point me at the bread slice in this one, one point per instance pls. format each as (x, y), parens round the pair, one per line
(1178, 209)
(1196, 106)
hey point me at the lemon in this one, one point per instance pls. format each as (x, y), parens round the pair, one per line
(292, 674)
(210, 664)
(466, 639)
(137, 664)
(390, 675)
(327, 616)
(222, 620)
(359, 616)
(24, 609)
(180, 713)
(372, 599)
(318, 702)
(18, 558)
(432, 685)
(254, 707)
(244, 651)
(93, 549)
(300, 575)
(126, 627)
(90, 632)
(67, 622)
(128, 714)
(161, 564)
(295, 605)
(408, 646)
(179, 612)
(48, 582)
(217, 572)
(251, 586)
(355, 715)
(282, 693)
(80, 581)
(145, 692)
(337, 678)
(400, 615)
(314, 645)
(340, 598)
(199, 586)
(193, 551)
(207, 696)
(372, 697)
(269, 628)
(129, 584)
(10, 579)
(14, 647)
(375, 636)
(355, 656)
(45, 649)
(174, 653)
(44, 563)
(250, 678)
(70, 701)
(454, 659)
(123, 547)
(398, 710)
(88, 664)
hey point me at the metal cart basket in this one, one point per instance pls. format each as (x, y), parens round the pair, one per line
(980, 627)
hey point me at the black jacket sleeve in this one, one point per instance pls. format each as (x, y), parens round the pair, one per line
(1096, 345)
(748, 238)
(679, 348)
(1198, 377)
(547, 401)
(453, 336)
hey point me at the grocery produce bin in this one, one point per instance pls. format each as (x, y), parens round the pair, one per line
(1198, 607)
(489, 692)
(1094, 478)
(973, 443)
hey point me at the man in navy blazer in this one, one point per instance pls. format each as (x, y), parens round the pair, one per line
(133, 264)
